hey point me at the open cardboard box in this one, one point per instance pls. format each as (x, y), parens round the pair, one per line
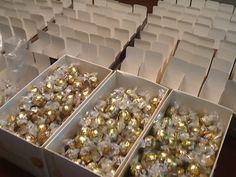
(58, 165)
(196, 104)
(214, 85)
(184, 76)
(22, 153)
(228, 98)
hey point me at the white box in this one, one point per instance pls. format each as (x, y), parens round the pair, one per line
(195, 104)
(58, 165)
(17, 150)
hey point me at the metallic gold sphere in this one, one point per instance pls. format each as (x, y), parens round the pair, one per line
(38, 100)
(193, 170)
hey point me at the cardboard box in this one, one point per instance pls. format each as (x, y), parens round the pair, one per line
(195, 104)
(17, 150)
(58, 165)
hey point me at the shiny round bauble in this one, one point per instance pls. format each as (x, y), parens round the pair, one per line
(149, 109)
(186, 143)
(112, 100)
(34, 90)
(94, 167)
(86, 131)
(66, 109)
(70, 99)
(38, 100)
(11, 119)
(87, 158)
(100, 120)
(70, 79)
(42, 128)
(86, 92)
(73, 70)
(180, 171)
(163, 156)
(22, 115)
(60, 83)
(48, 87)
(30, 139)
(80, 141)
(193, 170)
(136, 168)
(125, 147)
(58, 97)
(134, 123)
(42, 137)
(125, 116)
(155, 101)
(77, 84)
(110, 108)
(181, 126)
(209, 161)
(51, 115)
(136, 131)
(149, 159)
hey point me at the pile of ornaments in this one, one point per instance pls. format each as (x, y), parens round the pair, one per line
(181, 143)
(46, 105)
(107, 133)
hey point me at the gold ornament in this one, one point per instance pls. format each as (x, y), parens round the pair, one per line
(94, 167)
(125, 147)
(51, 115)
(42, 138)
(60, 83)
(87, 158)
(80, 141)
(180, 171)
(48, 87)
(58, 97)
(70, 79)
(34, 89)
(86, 131)
(38, 100)
(149, 109)
(70, 99)
(74, 70)
(125, 116)
(163, 156)
(100, 120)
(193, 170)
(133, 123)
(181, 126)
(155, 101)
(30, 139)
(42, 128)
(110, 109)
(136, 131)
(78, 84)
(186, 143)
(85, 92)
(112, 100)
(66, 109)
(136, 168)
(11, 119)
(209, 161)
